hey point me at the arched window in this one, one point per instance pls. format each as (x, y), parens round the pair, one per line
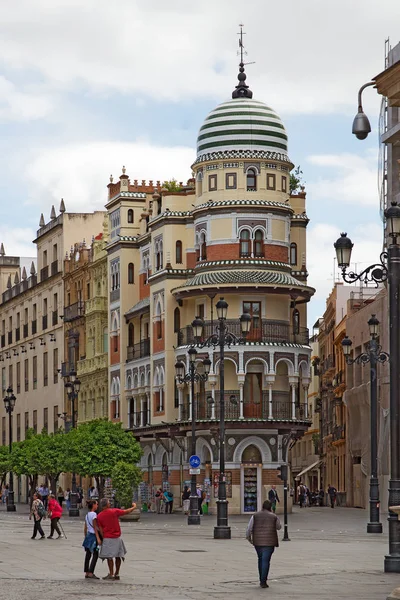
(245, 243)
(293, 254)
(178, 252)
(131, 335)
(177, 320)
(199, 183)
(251, 180)
(296, 321)
(131, 273)
(130, 216)
(159, 328)
(203, 247)
(259, 243)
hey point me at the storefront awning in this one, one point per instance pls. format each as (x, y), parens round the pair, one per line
(313, 466)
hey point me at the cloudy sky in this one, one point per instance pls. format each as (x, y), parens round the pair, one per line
(87, 86)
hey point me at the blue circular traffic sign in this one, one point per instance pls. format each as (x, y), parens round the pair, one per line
(194, 461)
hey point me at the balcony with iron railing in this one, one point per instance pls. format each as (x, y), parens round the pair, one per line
(74, 311)
(280, 332)
(139, 350)
(281, 409)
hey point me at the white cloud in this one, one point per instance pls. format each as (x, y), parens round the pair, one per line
(79, 172)
(18, 241)
(22, 105)
(179, 50)
(321, 264)
(353, 179)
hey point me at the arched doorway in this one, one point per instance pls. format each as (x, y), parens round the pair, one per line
(251, 479)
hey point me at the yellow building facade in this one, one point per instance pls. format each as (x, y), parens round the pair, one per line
(234, 231)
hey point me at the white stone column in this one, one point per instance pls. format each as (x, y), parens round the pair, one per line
(293, 389)
(141, 410)
(148, 398)
(241, 379)
(305, 388)
(212, 384)
(180, 387)
(270, 380)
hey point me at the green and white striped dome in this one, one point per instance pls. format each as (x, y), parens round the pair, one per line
(242, 124)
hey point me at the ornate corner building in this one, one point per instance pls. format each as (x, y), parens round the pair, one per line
(234, 231)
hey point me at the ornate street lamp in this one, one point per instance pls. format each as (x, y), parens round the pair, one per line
(9, 403)
(73, 386)
(388, 269)
(191, 377)
(220, 339)
(372, 355)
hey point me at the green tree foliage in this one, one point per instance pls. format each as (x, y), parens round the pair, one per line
(172, 186)
(25, 459)
(296, 180)
(4, 463)
(94, 448)
(53, 456)
(125, 476)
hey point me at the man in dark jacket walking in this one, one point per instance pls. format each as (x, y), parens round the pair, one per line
(262, 533)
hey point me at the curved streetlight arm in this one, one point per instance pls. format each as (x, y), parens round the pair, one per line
(365, 357)
(378, 273)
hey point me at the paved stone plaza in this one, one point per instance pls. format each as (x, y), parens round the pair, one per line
(329, 556)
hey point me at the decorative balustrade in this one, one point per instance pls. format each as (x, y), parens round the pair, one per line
(268, 331)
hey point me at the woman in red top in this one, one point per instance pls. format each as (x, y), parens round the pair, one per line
(112, 545)
(54, 511)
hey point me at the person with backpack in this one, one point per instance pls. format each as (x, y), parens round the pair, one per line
(38, 512)
(169, 501)
(301, 490)
(332, 495)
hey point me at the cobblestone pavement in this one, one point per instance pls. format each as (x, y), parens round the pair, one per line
(329, 556)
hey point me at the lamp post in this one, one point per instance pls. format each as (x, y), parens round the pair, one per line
(220, 339)
(372, 355)
(193, 376)
(73, 385)
(9, 403)
(388, 269)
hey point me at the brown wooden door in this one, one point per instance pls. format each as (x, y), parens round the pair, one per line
(254, 310)
(252, 395)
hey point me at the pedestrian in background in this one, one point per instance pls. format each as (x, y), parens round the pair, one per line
(169, 501)
(5, 495)
(112, 545)
(60, 495)
(332, 495)
(158, 497)
(199, 499)
(273, 497)
(54, 512)
(45, 495)
(262, 534)
(67, 498)
(301, 491)
(186, 500)
(92, 540)
(38, 512)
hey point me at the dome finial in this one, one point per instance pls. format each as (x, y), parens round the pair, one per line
(242, 90)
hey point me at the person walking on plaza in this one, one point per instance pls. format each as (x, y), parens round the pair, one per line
(6, 491)
(54, 512)
(112, 545)
(332, 495)
(301, 492)
(44, 491)
(158, 497)
(186, 500)
(199, 498)
(60, 495)
(262, 534)
(273, 497)
(38, 512)
(67, 498)
(168, 501)
(92, 540)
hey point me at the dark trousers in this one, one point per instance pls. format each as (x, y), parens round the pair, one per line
(90, 564)
(332, 498)
(54, 526)
(301, 500)
(45, 501)
(200, 501)
(60, 500)
(264, 554)
(37, 528)
(168, 507)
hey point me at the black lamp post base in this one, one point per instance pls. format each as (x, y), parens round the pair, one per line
(73, 512)
(222, 532)
(194, 520)
(374, 528)
(392, 564)
(11, 508)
